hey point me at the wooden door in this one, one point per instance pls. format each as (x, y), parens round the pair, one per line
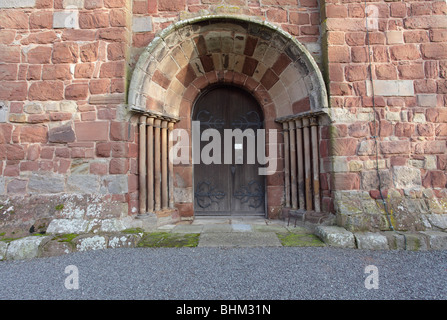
(230, 187)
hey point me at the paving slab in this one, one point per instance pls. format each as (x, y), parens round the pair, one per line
(187, 228)
(211, 220)
(239, 239)
(241, 227)
(217, 228)
(270, 228)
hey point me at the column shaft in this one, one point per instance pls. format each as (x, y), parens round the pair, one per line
(307, 164)
(293, 189)
(171, 167)
(300, 162)
(150, 164)
(157, 165)
(164, 164)
(142, 165)
(285, 127)
(315, 161)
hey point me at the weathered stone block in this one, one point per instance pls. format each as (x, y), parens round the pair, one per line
(115, 184)
(25, 248)
(3, 249)
(92, 130)
(141, 24)
(85, 243)
(406, 177)
(68, 226)
(436, 221)
(436, 239)
(46, 183)
(391, 87)
(123, 241)
(406, 241)
(33, 108)
(66, 19)
(83, 183)
(62, 134)
(427, 100)
(55, 248)
(414, 241)
(394, 37)
(18, 3)
(371, 241)
(335, 236)
(112, 225)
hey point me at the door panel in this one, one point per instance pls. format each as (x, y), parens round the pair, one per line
(236, 187)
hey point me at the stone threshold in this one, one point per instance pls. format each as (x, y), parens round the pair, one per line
(47, 245)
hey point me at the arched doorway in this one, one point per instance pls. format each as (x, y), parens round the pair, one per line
(226, 177)
(190, 57)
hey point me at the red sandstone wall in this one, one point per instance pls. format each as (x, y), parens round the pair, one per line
(65, 131)
(408, 47)
(63, 83)
(47, 144)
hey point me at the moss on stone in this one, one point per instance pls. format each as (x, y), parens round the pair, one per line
(300, 240)
(68, 237)
(166, 239)
(133, 230)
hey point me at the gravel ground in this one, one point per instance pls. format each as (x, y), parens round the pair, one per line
(229, 274)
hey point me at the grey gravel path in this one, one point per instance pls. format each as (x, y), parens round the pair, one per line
(231, 273)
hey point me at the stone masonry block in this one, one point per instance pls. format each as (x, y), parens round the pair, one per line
(406, 177)
(17, 3)
(46, 183)
(3, 248)
(25, 248)
(141, 24)
(391, 88)
(436, 239)
(406, 241)
(91, 243)
(427, 100)
(371, 241)
(68, 226)
(66, 19)
(336, 236)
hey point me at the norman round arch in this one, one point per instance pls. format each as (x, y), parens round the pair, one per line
(192, 55)
(250, 51)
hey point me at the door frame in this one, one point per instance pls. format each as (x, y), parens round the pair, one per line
(264, 179)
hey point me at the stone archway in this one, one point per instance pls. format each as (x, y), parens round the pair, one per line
(191, 55)
(198, 47)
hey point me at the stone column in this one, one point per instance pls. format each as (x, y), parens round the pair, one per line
(150, 164)
(157, 165)
(315, 161)
(164, 164)
(294, 195)
(171, 167)
(300, 161)
(307, 164)
(142, 165)
(285, 127)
